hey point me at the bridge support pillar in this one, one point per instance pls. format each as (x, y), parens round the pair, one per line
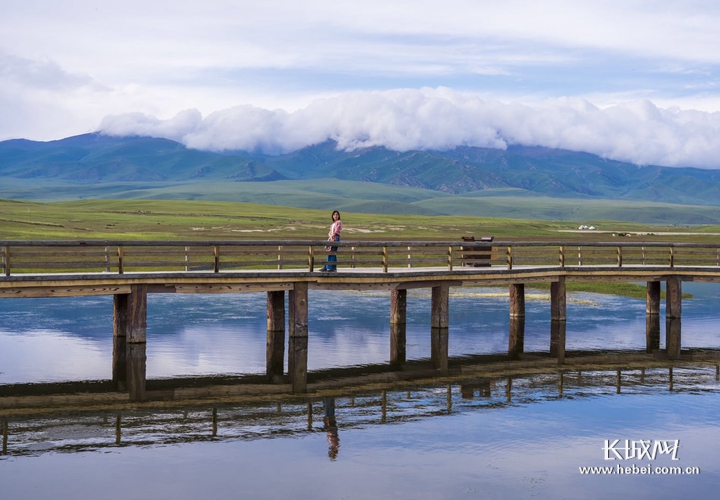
(652, 317)
(130, 314)
(440, 306)
(673, 295)
(298, 339)
(439, 326)
(275, 349)
(652, 305)
(517, 300)
(558, 300)
(398, 318)
(516, 343)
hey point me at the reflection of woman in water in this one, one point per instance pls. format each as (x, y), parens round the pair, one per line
(333, 235)
(331, 429)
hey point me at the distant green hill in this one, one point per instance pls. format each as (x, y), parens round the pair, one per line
(520, 182)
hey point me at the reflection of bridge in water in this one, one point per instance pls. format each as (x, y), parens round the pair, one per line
(216, 408)
(129, 270)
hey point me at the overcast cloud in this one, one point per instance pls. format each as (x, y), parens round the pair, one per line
(632, 80)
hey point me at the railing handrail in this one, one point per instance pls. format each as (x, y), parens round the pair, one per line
(124, 255)
(348, 243)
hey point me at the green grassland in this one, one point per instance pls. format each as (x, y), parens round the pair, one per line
(202, 220)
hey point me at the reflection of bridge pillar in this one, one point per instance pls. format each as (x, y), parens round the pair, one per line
(119, 363)
(439, 348)
(673, 295)
(516, 343)
(672, 337)
(558, 300)
(5, 431)
(557, 340)
(298, 339)
(130, 314)
(440, 305)
(118, 429)
(275, 350)
(398, 318)
(517, 300)
(136, 361)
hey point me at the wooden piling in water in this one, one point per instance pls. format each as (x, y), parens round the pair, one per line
(652, 305)
(119, 363)
(673, 296)
(440, 305)
(398, 343)
(557, 340)
(672, 337)
(652, 332)
(398, 319)
(517, 300)
(516, 343)
(275, 349)
(130, 314)
(558, 300)
(439, 348)
(298, 338)
(136, 371)
(398, 306)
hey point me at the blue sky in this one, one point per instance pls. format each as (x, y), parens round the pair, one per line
(75, 66)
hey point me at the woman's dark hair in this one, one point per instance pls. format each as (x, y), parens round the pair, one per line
(335, 212)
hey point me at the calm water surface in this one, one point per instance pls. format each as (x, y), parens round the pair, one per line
(474, 447)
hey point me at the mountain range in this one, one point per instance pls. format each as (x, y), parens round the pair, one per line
(96, 165)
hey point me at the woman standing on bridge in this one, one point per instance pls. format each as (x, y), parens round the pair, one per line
(333, 235)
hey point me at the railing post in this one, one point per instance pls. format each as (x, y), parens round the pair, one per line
(579, 256)
(107, 259)
(509, 258)
(672, 257)
(187, 259)
(311, 259)
(643, 257)
(280, 248)
(450, 259)
(216, 259)
(562, 256)
(410, 257)
(121, 267)
(385, 259)
(6, 260)
(352, 258)
(619, 256)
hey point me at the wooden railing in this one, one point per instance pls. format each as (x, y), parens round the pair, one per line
(120, 257)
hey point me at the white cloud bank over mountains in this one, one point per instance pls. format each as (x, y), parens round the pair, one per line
(441, 119)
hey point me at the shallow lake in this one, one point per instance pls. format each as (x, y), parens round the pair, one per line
(526, 438)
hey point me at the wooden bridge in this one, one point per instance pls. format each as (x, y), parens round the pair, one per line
(129, 270)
